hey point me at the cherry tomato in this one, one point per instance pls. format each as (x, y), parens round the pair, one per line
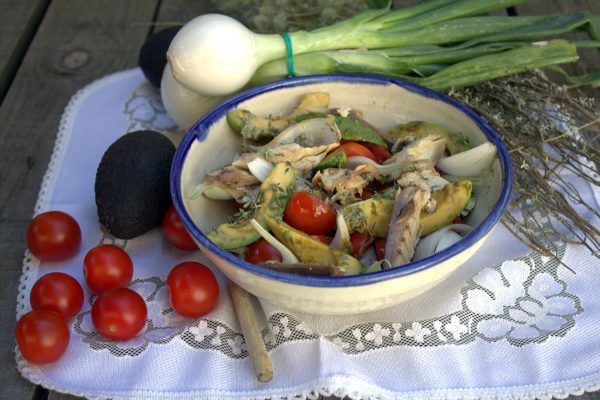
(193, 289)
(310, 214)
(457, 220)
(57, 292)
(53, 236)
(381, 153)
(42, 336)
(261, 251)
(119, 314)
(106, 267)
(380, 249)
(175, 231)
(358, 240)
(353, 149)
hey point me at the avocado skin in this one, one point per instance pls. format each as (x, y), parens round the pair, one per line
(132, 183)
(153, 54)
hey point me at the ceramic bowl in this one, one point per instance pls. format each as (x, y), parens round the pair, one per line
(385, 102)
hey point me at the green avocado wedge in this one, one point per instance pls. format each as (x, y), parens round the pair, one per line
(313, 251)
(337, 159)
(355, 131)
(253, 127)
(275, 192)
(455, 142)
(372, 216)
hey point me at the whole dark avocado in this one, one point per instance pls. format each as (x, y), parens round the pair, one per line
(132, 183)
(153, 54)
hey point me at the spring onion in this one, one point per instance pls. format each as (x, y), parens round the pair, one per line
(441, 44)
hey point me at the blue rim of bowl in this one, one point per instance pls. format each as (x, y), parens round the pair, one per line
(200, 129)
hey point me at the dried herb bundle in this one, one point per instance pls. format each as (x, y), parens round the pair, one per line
(552, 135)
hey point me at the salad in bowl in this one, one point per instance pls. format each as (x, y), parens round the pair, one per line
(302, 193)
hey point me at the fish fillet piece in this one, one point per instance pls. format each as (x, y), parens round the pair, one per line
(405, 227)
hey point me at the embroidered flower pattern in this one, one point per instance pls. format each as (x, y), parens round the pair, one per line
(377, 334)
(418, 332)
(146, 111)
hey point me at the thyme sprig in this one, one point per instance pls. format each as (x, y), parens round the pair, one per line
(551, 134)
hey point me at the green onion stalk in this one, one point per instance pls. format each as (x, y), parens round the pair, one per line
(441, 44)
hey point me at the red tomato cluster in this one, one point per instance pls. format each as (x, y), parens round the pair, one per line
(118, 312)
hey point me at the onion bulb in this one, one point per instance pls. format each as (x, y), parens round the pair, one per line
(184, 106)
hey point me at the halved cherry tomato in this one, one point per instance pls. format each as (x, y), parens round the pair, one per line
(119, 314)
(53, 236)
(261, 251)
(381, 153)
(57, 292)
(42, 336)
(175, 231)
(358, 240)
(353, 149)
(106, 267)
(309, 214)
(380, 249)
(193, 289)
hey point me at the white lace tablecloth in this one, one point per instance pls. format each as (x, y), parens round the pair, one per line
(510, 324)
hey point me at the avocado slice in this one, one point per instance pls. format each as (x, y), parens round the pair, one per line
(313, 251)
(256, 128)
(355, 131)
(372, 216)
(275, 192)
(337, 159)
(455, 142)
(450, 202)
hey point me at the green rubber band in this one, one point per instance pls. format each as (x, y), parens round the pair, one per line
(290, 54)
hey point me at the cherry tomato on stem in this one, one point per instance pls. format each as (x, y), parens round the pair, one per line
(261, 251)
(57, 292)
(358, 240)
(53, 236)
(193, 289)
(119, 314)
(175, 231)
(353, 149)
(309, 214)
(42, 336)
(106, 267)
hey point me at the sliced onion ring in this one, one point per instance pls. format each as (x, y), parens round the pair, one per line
(429, 244)
(260, 168)
(471, 162)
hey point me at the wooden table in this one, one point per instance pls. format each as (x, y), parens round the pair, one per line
(49, 50)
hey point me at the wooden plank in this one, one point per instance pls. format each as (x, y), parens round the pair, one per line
(18, 23)
(76, 43)
(590, 58)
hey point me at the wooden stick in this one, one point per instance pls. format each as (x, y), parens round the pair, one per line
(242, 302)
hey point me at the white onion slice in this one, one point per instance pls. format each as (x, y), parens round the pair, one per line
(260, 168)
(341, 240)
(216, 192)
(447, 240)
(356, 161)
(429, 244)
(471, 162)
(286, 254)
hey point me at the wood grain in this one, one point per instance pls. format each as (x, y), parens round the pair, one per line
(18, 23)
(75, 43)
